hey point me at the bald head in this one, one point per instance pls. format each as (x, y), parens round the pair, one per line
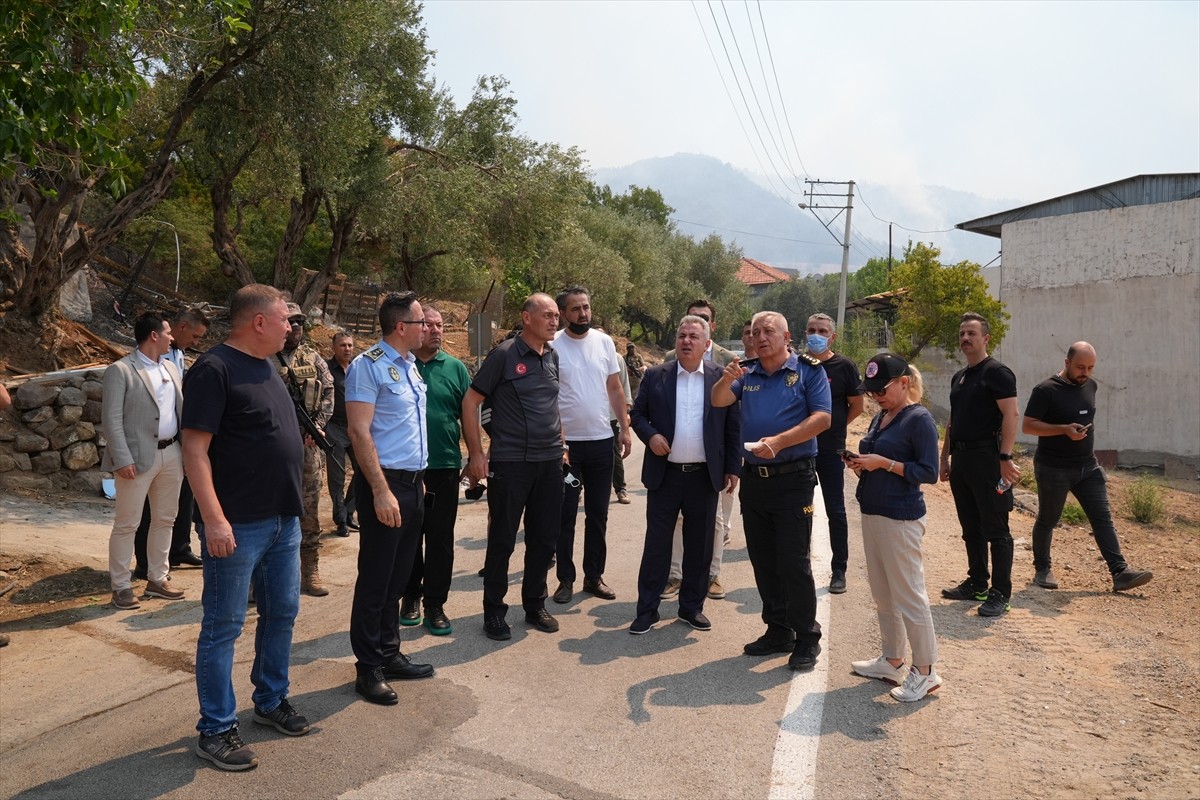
(1081, 360)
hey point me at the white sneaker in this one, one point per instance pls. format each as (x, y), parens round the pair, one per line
(879, 669)
(916, 686)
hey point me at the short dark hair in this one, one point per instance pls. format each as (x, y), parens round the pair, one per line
(148, 323)
(342, 334)
(394, 308)
(192, 317)
(561, 299)
(971, 316)
(702, 303)
(249, 300)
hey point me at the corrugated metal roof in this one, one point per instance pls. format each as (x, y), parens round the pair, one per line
(1140, 190)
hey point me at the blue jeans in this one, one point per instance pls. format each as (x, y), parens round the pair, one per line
(267, 552)
(1088, 484)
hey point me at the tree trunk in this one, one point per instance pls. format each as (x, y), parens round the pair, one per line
(33, 279)
(342, 228)
(224, 236)
(304, 211)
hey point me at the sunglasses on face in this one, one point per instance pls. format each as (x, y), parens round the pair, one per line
(882, 391)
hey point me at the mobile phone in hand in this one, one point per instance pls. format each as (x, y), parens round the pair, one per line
(845, 454)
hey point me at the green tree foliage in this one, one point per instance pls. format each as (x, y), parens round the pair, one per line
(72, 71)
(800, 298)
(643, 203)
(935, 299)
(871, 278)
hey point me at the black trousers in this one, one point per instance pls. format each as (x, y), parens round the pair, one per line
(692, 494)
(592, 464)
(777, 519)
(831, 474)
(534, 489)
(181, 534)
(431, 571)
(335, 474)
(983, 515)
(385, 557)
(618, 462)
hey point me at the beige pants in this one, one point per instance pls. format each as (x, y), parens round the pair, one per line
(161, 484)
(720, 531)
(892, 549)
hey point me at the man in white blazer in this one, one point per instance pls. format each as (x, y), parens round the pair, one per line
(143, 403)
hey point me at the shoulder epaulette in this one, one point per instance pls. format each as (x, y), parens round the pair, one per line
(811, 360)
(375, 354)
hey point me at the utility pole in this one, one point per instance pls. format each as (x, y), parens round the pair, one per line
(845, 241)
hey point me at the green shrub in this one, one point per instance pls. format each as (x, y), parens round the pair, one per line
(1072, 514)
(1147, 503)
(1028, 481)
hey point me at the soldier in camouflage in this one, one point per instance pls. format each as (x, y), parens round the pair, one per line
(315, 383)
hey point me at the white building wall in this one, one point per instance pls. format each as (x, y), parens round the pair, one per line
(1128, 281)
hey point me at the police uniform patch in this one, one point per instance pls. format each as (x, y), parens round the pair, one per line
(791, 379)
(375, 354)
(394, 373)
(811, 360)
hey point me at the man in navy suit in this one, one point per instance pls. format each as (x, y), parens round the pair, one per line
(692, 455)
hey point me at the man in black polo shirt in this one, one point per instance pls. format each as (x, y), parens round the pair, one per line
(339, 436)
(1061, 413)
(517, 390)
(847, 402)
(980, 434)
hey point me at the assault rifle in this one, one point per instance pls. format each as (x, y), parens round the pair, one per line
(306, 422)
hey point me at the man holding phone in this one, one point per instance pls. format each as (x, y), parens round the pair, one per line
(1061, 413)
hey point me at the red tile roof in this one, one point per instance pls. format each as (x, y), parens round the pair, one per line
(756, 273)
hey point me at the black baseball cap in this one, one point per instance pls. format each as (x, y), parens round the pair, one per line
(881, 370)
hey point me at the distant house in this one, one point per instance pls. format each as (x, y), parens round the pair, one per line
(759, 276)
(1117, 265)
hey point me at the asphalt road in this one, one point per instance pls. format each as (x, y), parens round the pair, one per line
(101, 703)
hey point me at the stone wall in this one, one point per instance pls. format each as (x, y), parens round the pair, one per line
(51, 437)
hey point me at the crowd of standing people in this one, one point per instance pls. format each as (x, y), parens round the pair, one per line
(257, 419)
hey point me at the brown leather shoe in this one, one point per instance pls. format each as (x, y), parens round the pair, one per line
(598, 587)
(162, 590)
(124, 600)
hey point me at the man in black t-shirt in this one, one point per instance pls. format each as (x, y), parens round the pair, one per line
(243, 455)
(847, 400)
(980, 434)
(1061, 413)
(339, 436)
(517, 390)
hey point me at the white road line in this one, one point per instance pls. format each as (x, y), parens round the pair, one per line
(794, 768)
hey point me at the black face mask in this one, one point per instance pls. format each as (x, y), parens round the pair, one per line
(578, 329)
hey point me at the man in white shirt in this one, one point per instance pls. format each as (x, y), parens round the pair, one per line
(692, 454)
(589, 388)
(143, 402)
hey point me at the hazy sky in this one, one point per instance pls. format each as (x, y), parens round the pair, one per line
(1008, 99)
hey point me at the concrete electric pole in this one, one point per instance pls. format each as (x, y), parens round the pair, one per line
(845, 241)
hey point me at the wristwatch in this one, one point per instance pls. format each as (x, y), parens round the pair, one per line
(1006, 456)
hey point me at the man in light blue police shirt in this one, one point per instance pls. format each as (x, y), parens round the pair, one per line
(386, 419)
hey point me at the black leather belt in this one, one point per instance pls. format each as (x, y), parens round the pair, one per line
(163, 444)
(786, 468)
(404, 475)
(694, 467)
(975, 445)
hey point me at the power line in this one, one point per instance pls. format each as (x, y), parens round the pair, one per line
(897, 224)
(751, 233)
(729, 94)
(737, 82)
(778, 90)
(767, 87)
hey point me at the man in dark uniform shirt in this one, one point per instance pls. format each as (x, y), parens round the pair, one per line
(980, 433)
(846, 399)
(338, 435)
(1061, 413)
(517, 390)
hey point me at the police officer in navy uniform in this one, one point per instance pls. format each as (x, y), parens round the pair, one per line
(517, 391)
(386, 418)
(785, 403)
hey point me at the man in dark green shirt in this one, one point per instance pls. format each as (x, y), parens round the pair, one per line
(447, 380)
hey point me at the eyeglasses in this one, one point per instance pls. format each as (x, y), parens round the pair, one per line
(882, 391)
(413, 321)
